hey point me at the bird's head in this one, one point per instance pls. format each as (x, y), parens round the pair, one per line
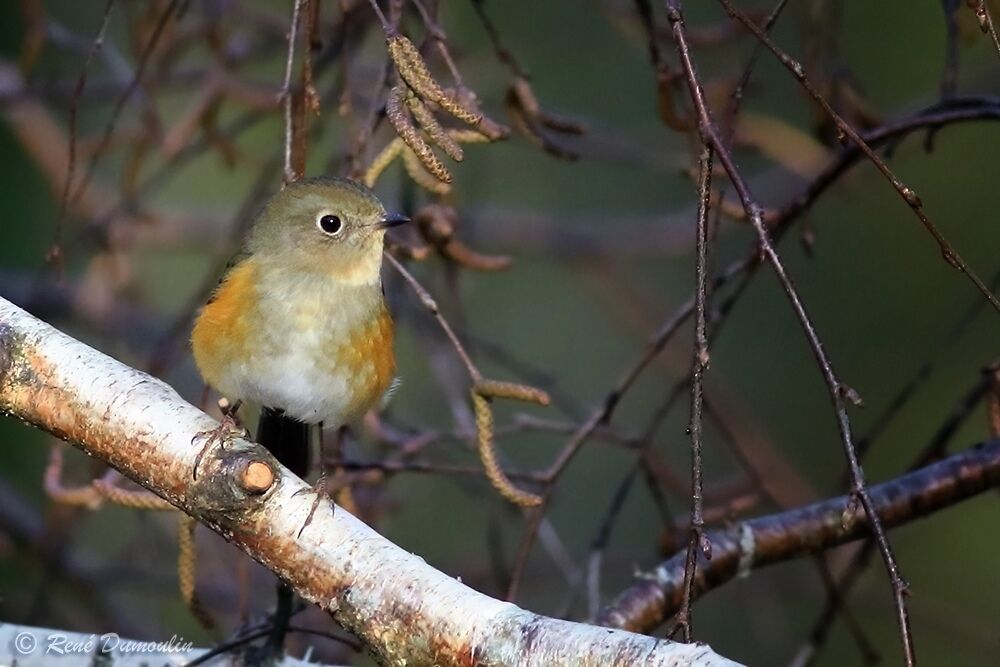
(324, 225)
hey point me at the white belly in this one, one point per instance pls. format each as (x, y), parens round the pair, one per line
(302, 389)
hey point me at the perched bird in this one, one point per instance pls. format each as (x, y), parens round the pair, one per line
(298, 322)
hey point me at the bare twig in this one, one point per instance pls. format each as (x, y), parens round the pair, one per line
(482, 390)
(932, 451)
(698, 366)
(56, 252)
(603, 413)
(119, 107)
(908, 194)
(835, 387)
(985, 19)
(294, 146)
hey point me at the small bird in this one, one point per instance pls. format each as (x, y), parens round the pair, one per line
(298, 322)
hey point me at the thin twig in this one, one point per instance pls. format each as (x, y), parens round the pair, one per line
(133, 85)
(986, 23)
(290, 172)
(698, 366)
(431, 305)
(56, 252)
(387, 28)
(909, 195)
(926, 370)
(709, 132)
(736, 97)
(482, 391)
(932, 451)
(602, 414)
(503, 54)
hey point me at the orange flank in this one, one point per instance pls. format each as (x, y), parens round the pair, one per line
(369, 361)
(220, 332)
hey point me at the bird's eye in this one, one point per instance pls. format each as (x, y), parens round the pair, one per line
(330, 224)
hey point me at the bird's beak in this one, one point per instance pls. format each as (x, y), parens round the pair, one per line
(393, 220)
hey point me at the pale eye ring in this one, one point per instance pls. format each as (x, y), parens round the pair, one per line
(330, 224)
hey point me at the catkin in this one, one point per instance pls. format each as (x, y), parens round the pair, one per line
(438, 135)
(488, 455)
(187, 568)
(400, 120)
(521, 392)
(413, 69)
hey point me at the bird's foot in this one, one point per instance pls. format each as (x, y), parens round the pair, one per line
(319, 488)
(228, 429)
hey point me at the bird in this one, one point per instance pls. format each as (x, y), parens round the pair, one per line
(298, 322)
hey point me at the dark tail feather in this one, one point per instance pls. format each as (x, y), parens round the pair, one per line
(286, 438)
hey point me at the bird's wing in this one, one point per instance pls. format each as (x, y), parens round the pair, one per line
(233, 262)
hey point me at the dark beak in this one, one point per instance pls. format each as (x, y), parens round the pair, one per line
(393, 220)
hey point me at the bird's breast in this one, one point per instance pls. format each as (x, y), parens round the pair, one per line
(319, 350)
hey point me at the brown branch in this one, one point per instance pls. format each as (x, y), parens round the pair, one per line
(788, 535)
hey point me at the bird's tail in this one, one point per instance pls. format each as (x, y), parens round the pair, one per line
(286, 438)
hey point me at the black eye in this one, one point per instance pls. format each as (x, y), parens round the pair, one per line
(330, 223)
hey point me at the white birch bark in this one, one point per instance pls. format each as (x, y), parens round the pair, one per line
(405, 611)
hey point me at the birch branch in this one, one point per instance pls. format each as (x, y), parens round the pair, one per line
(402, 609)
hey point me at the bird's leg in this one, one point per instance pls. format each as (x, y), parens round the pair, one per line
(272, 650)
(230, 427)
(319, 487)
(342, 494)
(279, 622)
